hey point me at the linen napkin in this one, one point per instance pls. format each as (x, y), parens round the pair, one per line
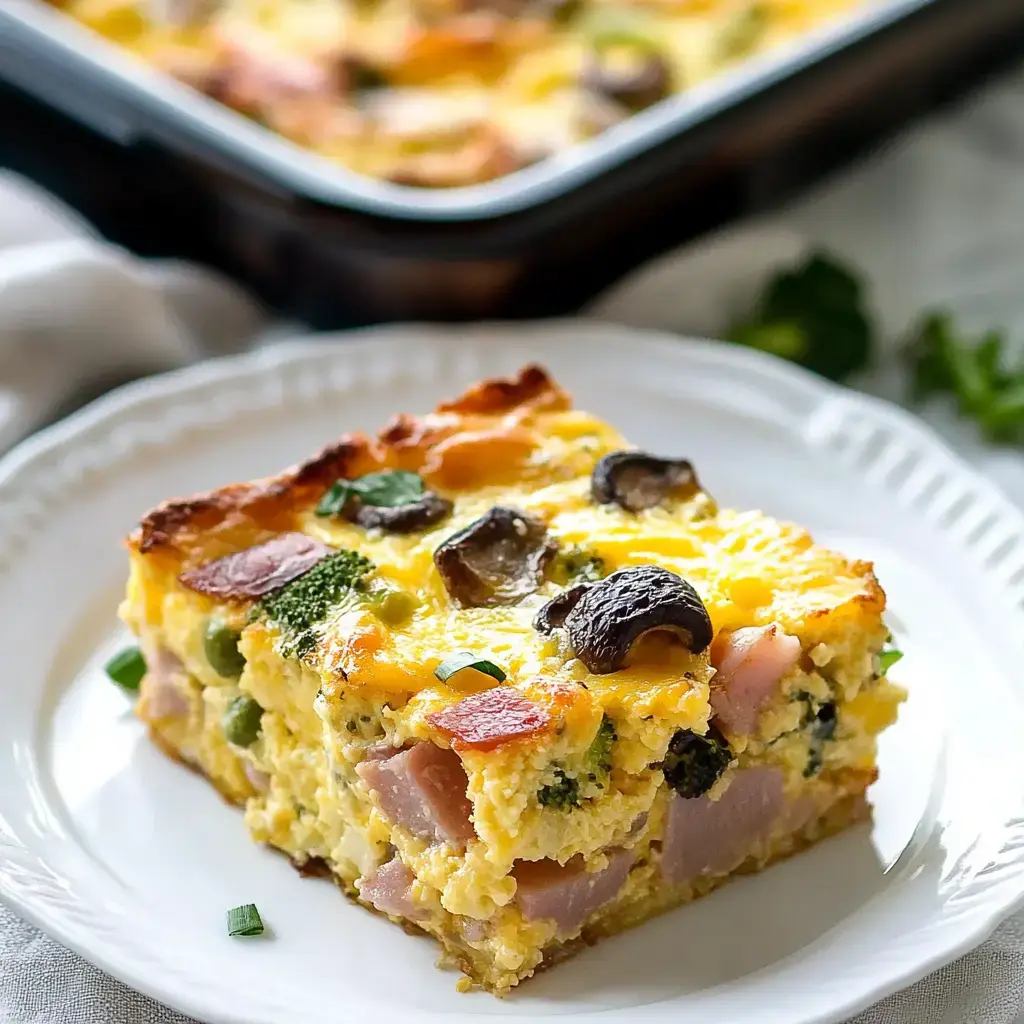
(935, 220)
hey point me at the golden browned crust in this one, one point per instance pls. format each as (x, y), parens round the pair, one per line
(191, 530)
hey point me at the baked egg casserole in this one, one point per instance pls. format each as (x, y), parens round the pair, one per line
(511, 681)
(442, 93)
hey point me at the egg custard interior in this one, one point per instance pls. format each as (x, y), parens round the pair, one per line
(511, 681)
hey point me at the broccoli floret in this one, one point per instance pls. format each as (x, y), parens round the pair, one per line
(298, 607)
(577, 565)
(563, 793)
(693, 764)
(600, 752)
(820, 720)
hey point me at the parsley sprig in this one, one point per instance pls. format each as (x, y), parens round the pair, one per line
(978, 374)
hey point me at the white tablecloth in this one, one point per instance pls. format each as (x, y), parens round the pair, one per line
(936, 220)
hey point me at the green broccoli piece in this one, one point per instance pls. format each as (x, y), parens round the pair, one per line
(813, 315)
(563, 794)
(577, 565)
(600, 752)
(693, 764)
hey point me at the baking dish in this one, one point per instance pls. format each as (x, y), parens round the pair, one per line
(334, 247)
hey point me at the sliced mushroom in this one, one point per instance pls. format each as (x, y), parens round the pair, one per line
(636, 87)
(552, 615)
(429, 509)
(612, 615)
(496, 560)
(636, 480)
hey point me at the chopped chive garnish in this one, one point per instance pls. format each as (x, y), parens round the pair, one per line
(887, 659)
(467, 659)
(126, 668)
(245, 920)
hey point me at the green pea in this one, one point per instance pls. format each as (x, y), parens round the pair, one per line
(241, 721)
(221, 646)
(391, 605)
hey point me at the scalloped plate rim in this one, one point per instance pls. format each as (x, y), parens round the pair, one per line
(165, 387)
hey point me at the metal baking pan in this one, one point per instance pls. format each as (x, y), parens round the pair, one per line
(128, 144)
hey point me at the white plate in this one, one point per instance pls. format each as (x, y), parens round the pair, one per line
(132, 861)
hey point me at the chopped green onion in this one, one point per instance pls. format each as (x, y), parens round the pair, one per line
(127, 668)
(389, 489)
(887, 659)
(467, 659)
(245, 920)
(608, 27)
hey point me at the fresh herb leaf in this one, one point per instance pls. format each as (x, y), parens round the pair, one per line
(298, 607)
(563, 793)
(126, 668)
(986, 390)
(467, 659)
(245, 920)
(600, 752)
(813, 315)
(390, 489)
(887, 659)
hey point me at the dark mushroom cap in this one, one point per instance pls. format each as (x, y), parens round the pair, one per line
(428, 509)
(634, 88)
(611, 615)
(636, 480)
(496, 560)
(552, 615)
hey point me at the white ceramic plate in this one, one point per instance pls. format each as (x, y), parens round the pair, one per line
(132, 861)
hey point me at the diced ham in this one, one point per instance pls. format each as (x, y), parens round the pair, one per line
(260, 780)
(160, 695)
(258, 570)
(485, 720)
(422, 789)
(568, 893)
(389, 889)
(705, 835)
(750, 664)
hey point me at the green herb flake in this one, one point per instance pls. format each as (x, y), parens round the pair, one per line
(126, 668)
(467, 659)
(577, 565)
(600, 752)
(245, 920)
(298, 607)
(814, 315)
(390, 489)
(887, 659)
(563, 794)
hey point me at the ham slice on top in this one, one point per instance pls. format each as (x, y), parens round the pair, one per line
(705, 835)
(422, 789)
(258, 570)
(750, 664)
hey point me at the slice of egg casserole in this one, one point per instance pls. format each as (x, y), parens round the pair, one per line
(512, 682)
